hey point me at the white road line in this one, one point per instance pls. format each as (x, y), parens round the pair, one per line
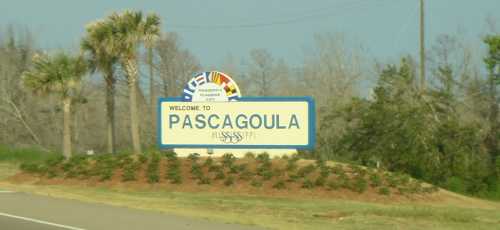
(40, 221)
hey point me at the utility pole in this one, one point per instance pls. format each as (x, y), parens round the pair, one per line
(422, 47)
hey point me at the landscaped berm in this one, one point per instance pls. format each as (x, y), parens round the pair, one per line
(279, 193)
(252, 175)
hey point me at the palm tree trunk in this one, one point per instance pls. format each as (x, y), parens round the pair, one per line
(131, 68)
(110, 112)
(152, 95)
(67, 127)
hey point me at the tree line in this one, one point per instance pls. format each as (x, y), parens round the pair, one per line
(103, 97)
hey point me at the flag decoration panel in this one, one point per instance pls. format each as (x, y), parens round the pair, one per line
(211, 86)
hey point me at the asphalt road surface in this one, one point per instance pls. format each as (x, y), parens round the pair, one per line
(19, 211)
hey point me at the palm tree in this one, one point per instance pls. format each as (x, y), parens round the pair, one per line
(59, 73)
(130, 29)
(103, 60)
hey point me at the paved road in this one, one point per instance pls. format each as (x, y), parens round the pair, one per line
(19, 211)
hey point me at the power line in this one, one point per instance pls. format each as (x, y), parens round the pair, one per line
(352, 5)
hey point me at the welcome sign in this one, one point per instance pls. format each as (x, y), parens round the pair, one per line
(252, 122)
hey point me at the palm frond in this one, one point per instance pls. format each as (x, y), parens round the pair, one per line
(55, 73)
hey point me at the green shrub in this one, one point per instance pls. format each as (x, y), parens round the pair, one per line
(204, 180)
(266, 175)
(174, 176)
(404, 179)
(175, 179)
(320, 181)
(173, 172)
(126, 160)
(30, 167)
(415, 187)
(292, 164)
(320, 162)
(233, 169)
(263, 157)
(265, 166)
(153, 178)
(434, 188)
(105, 165)
(334, 185)
(246, 175)
(278, 172)
(375, 180)
(83, 170)
(120, 159)
(249, 155)
(360, 184)
(384, 191)
(219, 175)
(153, 170)
(242, 167)
(430, 189)
(338, 169)
(52, 172)
(403, 190)
(76, 166)
(306, 170)
(324, 171)
(293, 177)
(392, 180)
(208, 162)
(455, 184)
(54, 161)
(256, 183)
(193, 157)
(307, 184)
(228, 160)
(44, 170)
(229, 181)
(196, 170)
(345, 181)
(130, 170)
(280, 184)
(214, 168)
(426, 189)
(69, 165)
(171, 155)
(358, 170)
(142, 158)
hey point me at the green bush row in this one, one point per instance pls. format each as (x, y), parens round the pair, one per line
(354, 178)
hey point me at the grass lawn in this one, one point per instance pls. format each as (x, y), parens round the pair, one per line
(8, 169)
(457, 212)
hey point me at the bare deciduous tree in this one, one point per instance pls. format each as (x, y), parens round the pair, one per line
(260, 72)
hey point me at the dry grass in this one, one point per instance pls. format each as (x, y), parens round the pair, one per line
(8, 169)
(452, 212)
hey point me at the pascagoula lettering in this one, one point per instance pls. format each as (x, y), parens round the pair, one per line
(239, 121)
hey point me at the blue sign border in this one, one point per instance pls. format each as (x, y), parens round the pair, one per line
(311, 131)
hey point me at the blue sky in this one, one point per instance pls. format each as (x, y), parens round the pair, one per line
(213, 29)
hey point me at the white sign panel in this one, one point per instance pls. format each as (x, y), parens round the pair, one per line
(262, 122)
